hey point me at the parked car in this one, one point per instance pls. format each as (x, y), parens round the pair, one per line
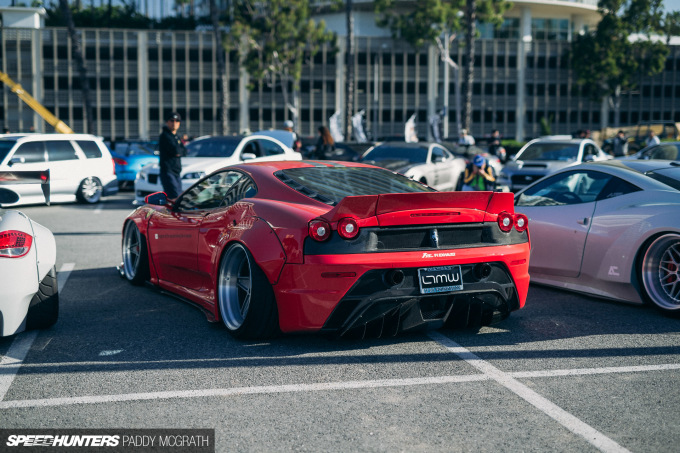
(610, 229)
(664, 150)
(342, 248)
(81, 167)
(29, 294)
(207, 154)
(544, 156)
(130, 156)
(427, 162)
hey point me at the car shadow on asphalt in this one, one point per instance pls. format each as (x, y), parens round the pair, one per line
(106, 324)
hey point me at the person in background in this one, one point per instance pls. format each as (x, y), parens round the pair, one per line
(324, 144)
(479, 175)
(465, 139)
(652, 139)
(288, 126)
(171, 151)
(620, 144)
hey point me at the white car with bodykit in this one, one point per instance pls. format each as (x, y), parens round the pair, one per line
(29, 293)
(205, 155)
(426, 162)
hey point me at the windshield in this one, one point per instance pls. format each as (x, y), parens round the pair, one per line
(5, 146)
(332, 184)
(550, 151)
(222, 147)
(414, 155)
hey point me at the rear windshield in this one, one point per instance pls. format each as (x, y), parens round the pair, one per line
(550, 151)
(668, 176)
(5, 146)
(331, 184)
(383, 153)
(222, 147)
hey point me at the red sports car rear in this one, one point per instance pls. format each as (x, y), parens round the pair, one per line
(343, 248)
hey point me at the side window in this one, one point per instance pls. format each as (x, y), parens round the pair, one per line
(270, 148)
(90, 149)
(589, 150)
(616, 187)
(60, 150)
(243, 188)
(437, 154)
(209, 192)
(565, 188)
(669, 152)
(30, 152)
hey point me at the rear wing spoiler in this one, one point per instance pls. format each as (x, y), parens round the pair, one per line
(41, 177)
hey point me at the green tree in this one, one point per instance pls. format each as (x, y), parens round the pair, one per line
(274, 39)
(427, 21)
(627, 45)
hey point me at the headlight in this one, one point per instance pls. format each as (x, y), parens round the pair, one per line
(193, 175)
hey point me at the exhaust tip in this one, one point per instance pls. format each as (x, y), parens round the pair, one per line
(394, 277)
(482, 271)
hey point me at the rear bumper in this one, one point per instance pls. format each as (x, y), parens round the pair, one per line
(361, 299)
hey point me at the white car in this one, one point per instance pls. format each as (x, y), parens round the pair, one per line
(205, 155)
(426, 162)
(29, 294)
(546, 155)
(80, 165)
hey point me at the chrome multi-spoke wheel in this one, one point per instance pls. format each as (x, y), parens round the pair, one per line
(135, 259)
(661, 273)
(90, 190)
(234, 287)
(245, 296)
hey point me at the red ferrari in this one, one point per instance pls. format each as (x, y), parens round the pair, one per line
(337, 247)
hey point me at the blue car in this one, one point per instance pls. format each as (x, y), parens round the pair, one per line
(130, 157)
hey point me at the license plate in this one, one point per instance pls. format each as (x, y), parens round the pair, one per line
(440, 279)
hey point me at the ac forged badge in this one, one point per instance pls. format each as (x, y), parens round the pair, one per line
(440, 279)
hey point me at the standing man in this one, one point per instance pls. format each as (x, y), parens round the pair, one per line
(171, 152)
(652, 139)
(620, 144)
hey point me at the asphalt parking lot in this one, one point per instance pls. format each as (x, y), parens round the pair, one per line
(566, 373)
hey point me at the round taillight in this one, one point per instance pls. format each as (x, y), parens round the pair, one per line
(319, 230)
(521, 222)
(348, 228)
(15, 244)
(505, 221)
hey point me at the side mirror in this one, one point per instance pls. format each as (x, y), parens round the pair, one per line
(158, 198)
(589, 158)
(16, 160)
(437, 159)
(248, 156)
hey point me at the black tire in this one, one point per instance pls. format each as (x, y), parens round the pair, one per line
(90, 190)
(135, 255)
(660, 273)
(245, 296)
(43, 311)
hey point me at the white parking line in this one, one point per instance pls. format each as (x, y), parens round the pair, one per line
(564, 418)
(11, 362)
(64, 273)
(18, 350)
(270, 389)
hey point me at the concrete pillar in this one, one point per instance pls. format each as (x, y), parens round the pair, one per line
(524, 47)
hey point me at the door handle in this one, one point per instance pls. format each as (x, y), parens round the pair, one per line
(583, 221)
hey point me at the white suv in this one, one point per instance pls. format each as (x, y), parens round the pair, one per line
(81, 167)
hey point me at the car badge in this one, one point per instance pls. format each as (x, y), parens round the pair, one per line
(434, 236)
(527, 178)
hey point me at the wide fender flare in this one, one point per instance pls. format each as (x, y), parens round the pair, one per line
(263, 243)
